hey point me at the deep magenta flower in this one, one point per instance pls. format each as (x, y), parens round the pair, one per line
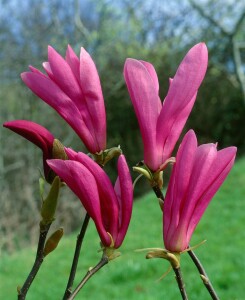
(72, 87)
(161, 124)
(109, 207)
(197, 174)
(36, 134)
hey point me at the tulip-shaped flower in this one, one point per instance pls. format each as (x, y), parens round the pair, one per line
(161, 124)
(197, 174)
(36, 134)
(72, 87)
(109, 207)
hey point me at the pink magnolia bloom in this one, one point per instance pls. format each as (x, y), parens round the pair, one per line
(161, 124)
(72, 87)
(36, 134)
(109, 207)
(197, 174)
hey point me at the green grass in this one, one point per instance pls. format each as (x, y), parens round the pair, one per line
(133, 277)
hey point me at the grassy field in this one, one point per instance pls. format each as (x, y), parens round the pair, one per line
(131, 276)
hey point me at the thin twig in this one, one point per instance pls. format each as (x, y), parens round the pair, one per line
(80, 238)
(38, 262)
(104, 260)
(180, 282)
(203, 275)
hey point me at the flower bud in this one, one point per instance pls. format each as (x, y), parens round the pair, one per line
(58, 151)
(53, 241)
(50, 203)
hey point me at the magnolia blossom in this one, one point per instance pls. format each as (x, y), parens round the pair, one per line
(109, 207)
(161, 124)
(72, 87)
(197, 174)
(36, 134)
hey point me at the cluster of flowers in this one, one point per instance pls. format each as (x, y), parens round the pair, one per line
(72, 87)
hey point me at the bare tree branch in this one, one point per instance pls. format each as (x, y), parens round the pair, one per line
(236, 56)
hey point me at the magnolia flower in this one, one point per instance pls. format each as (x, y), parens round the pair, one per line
(36, 134)
(197, 174)
(161, 124)
(72, 87)
(109, 207)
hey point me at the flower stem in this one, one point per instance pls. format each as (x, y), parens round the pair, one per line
(158, 192)
(38, 262)
(80, 238)
(180, 282)
(104, 260)
(203, 275)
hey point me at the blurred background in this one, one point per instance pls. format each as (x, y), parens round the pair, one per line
(160, 32)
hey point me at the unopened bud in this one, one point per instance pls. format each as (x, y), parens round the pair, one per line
(53, 241)
(58, 151)
(50, 203)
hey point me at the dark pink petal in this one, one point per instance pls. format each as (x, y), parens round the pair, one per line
(36, 134)
(71, 153)
(124, 191)
(204, 158)
(108, 199)
(92, 93)
(178, 186)
(83, 184)
(195, 179)
(145, 100)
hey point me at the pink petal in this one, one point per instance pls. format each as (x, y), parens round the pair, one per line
(64, 77)
(108, 199)
(48, 91)
(73, 62)
(124, 191)
(152, 72)
(48, 70)
(216, 176)
(182, 91)
(178, 186)
(174, 124)
(83, 184)
(34, 70)
(204, 158)
(145, 100)
(92, 93)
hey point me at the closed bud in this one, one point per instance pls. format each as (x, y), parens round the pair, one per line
(53, 241)
(58, 151)
(50, 203)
